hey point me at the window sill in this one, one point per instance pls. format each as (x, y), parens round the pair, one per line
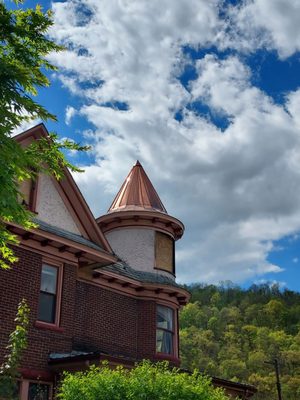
(168, 357)
(47, 326)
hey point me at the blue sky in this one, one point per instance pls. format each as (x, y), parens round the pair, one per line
(206, 95)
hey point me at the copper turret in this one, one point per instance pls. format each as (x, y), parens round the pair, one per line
(137, 204)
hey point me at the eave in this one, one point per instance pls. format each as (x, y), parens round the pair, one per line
(141, 218)
(69, 191)
(47, 243)
(142, 290)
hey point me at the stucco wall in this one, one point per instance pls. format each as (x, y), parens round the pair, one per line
(51, 208)
(135, 246)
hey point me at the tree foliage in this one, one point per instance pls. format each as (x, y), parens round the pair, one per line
(146, 381)
(24, 47)
(17, 344)
(231, 333)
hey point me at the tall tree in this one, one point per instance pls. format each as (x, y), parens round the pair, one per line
(24, 46)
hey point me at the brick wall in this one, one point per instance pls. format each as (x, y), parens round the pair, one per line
(91, 318)
(147, 329)
(23, 281)
(110, 322)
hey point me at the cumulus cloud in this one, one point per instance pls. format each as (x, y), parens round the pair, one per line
(236, 189)
(70, 113)
(270, 23)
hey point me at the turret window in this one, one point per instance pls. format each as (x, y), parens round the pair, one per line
(164, 252)
(164, 330)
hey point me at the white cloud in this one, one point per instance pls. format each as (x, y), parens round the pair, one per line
(270, 23)
(237, 191)
(70, 113)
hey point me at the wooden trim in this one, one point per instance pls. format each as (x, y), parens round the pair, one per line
(71, 191)
(167, 357)
(34, 247)
(81, 207)
(175, 332)
(33, 194)
(154, 219)
(128, 287)
(96, 255)
(24, 383)
(47, 326)
(68, 203)
(24, 389)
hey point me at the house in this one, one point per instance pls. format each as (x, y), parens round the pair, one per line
(98, 289)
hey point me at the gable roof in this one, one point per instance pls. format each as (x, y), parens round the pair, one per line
(137, 193)
(70, 193)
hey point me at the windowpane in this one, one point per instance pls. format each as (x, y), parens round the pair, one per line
(46, 310)
(164, 318)
(49, 279)
(164, 342)
(38, 391)
(165, 330)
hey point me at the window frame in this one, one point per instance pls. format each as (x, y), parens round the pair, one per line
(59, 278)
(174, 350)
(24, 388)
(170, 271)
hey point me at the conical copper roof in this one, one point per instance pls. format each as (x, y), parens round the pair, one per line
(137, 193)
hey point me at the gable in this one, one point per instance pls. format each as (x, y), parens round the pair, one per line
(51, 208)
(60, 203)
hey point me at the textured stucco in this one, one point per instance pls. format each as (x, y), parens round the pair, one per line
(135, 246)
(51, 208)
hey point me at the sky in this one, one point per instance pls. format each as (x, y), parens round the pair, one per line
(206, 94)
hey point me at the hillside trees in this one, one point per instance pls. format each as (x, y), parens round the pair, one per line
(231, 333)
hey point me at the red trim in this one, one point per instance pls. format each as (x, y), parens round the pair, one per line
(152, 219)
(168, 357)
(36, 374)
(47, 326)
(90, 253)
(33, 194)
(71, 190)
(170, 296)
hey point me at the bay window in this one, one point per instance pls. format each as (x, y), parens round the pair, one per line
(164, 330)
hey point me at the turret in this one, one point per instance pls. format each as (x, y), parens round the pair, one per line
(138, 227)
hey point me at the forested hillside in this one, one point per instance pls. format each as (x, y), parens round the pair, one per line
(233, 334)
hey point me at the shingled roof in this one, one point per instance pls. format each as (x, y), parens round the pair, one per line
(66, 234)
(124, 269)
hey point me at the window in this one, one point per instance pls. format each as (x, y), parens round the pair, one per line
(38, 391)
(164, 252)
(30, 390)
(48, 294)
(164, 330)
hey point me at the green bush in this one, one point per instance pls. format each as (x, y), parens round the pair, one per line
(145, 382)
